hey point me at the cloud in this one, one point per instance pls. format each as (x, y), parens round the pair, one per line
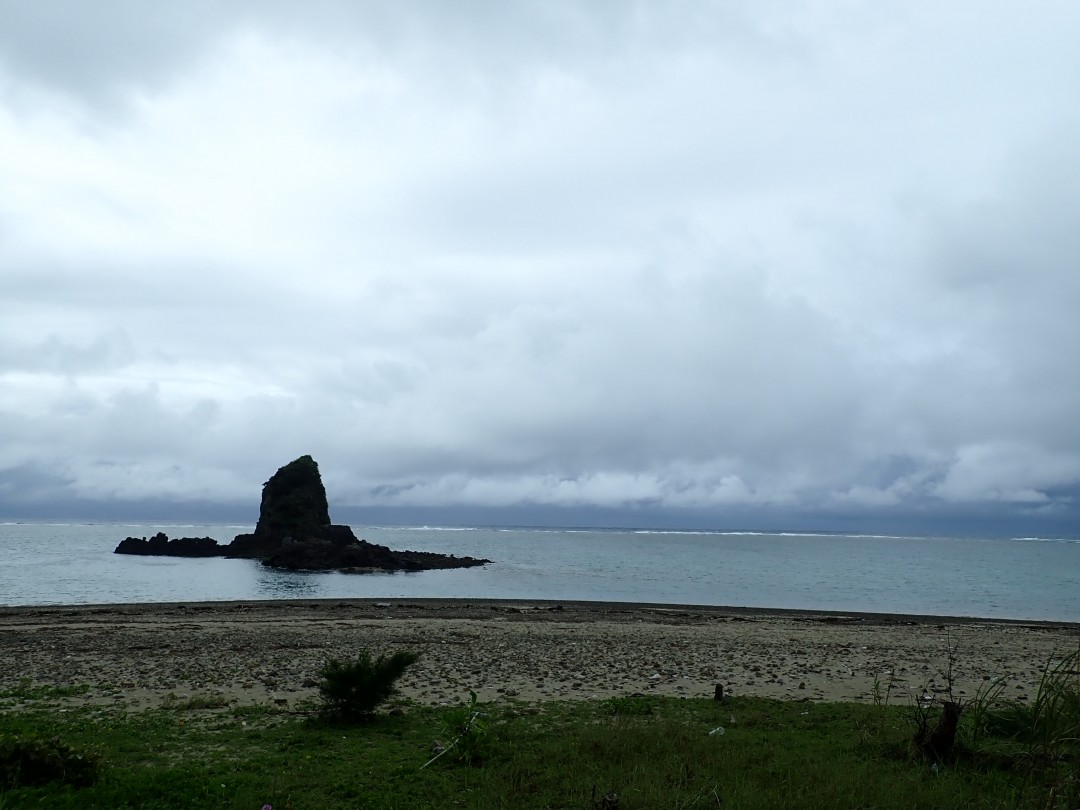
(788, 257)
(1008, 472)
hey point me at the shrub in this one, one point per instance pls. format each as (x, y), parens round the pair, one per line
(352, 691)
(30, 761)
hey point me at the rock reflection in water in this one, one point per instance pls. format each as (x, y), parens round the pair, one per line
(273, 584)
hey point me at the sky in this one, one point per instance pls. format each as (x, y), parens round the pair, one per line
(813, 262)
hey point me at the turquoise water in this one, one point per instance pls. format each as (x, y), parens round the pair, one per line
(1019, 578)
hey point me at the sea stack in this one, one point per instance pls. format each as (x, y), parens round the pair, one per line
(293, 510)
(293, 499)
(294, 532)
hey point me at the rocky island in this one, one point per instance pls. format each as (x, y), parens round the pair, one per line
(294, 533)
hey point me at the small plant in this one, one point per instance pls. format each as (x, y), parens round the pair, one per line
(256, 710)
(30, 761)
(629, 706)
(981, 711)
(464, 726)
(352, 691)
(935, 730)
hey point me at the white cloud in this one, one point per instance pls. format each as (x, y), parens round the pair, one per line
(788, 256)
(1007, 472)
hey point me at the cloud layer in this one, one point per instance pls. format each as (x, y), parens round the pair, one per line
(781, 257)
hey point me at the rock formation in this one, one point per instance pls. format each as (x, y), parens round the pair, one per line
(160, 545)
(293, 508)
(293, 500)
(294, 532)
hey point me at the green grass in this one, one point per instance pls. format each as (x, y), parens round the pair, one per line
(649, 752)
(194, 703)
(28, 690)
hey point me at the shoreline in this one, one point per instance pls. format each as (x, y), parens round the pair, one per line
(238, 653)
(580, 605)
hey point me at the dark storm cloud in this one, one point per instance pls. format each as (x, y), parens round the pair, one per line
(801, 259)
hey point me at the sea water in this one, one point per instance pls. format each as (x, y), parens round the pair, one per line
(1017, 578)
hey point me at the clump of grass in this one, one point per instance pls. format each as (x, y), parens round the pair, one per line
(1037, 743)
(28, 690)
(630, 705)
(1049, 726)
(352, 690)
(194, 703)
(255, 710)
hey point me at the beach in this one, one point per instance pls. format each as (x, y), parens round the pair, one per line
(139, 656)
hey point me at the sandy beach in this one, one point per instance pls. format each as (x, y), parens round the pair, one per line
(137, 656)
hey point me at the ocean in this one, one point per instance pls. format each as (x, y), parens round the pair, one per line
(1013, 578)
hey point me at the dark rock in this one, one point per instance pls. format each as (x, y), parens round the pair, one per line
(293, 509)
(318, 554)
(293, 500)
(266, 545)
(251, 546)
(294, 533)
(161, 546)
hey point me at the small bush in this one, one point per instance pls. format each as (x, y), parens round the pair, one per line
(29, 762)
(466, 729)
(352, 691)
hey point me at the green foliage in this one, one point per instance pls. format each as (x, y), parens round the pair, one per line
(30, 761)
(1048, 726)
(466, 730)
(28, 690)
(1037, 743)
(194, 703)
(256, 710)
(353, 690)
(631, 705)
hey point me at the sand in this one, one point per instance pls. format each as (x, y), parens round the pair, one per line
(245, 653)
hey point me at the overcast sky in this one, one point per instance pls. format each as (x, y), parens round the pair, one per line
(817, 258)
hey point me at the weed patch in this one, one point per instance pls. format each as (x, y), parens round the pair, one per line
(195, 703)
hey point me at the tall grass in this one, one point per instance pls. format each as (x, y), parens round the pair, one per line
(1048, 727)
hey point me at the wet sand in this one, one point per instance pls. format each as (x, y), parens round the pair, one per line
(244, 653)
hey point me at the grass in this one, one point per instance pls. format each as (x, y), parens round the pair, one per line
(27, 690)
(194, 703)
(624, 753)
(1044, 730)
